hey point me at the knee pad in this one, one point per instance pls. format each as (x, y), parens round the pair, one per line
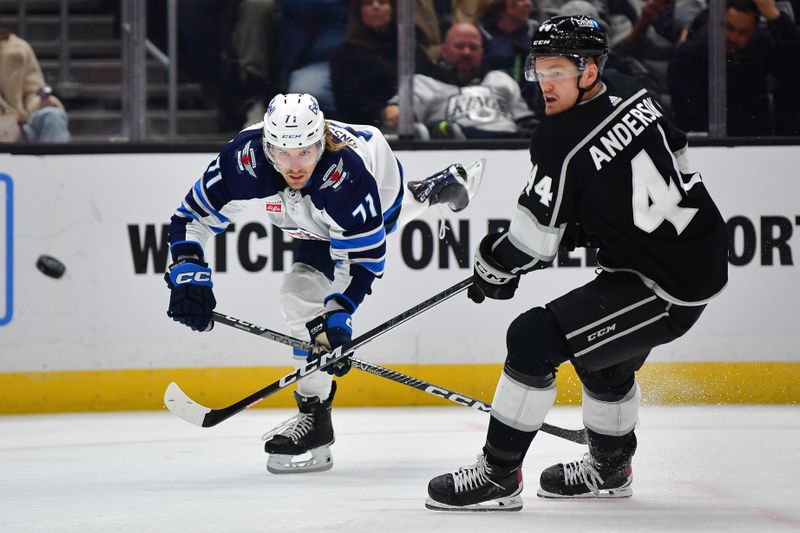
(535, 343)
(613, 418)
(302, 292)
(520, 405)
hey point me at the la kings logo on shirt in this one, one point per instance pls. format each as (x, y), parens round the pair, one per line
(475, 103)
(246, 160)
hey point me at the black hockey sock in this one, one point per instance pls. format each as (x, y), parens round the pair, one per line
(606, 448)
(506, 446)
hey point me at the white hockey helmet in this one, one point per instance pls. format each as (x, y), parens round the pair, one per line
(293, 121)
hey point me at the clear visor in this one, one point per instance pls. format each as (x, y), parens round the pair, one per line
(288, 158)
(550, 71)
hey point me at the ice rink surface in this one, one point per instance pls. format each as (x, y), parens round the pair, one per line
(727, 468)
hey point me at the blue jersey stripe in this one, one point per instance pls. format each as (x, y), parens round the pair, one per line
(201, 196)
(192, 204)
(374, 267)
(347, 300)
(359, 242)
(187, 214)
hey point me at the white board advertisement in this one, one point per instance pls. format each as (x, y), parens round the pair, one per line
(105, 217)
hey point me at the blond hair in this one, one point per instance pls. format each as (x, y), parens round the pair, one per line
(332, 142)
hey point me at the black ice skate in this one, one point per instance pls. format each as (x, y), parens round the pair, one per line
(454, 186)
(594, 476)
(478, 487)
(310, 432)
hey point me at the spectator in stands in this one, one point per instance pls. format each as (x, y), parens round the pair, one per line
(617, 60)
(752, 55)
(229, 47)
(310, 31)
(661, 24)
(254, 42)
(28, 109)
(432, 19)
(205, 54)
(545, 9)
(506, 28)
(364, 67)
(463, 100)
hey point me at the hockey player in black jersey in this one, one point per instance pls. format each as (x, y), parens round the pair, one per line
(604, 157)
(338, 189)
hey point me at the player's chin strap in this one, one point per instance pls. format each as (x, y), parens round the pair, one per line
(583, 90)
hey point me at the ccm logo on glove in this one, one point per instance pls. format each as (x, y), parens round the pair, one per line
(191, 300)
(488, 275)
(196, 277)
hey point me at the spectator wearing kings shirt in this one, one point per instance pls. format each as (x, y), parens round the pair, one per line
(460, 99)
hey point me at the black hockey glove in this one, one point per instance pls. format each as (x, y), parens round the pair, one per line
(192, 299)
(491, 280)
(331, 330)
(575, 237)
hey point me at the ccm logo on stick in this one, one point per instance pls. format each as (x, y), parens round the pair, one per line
(457, 398)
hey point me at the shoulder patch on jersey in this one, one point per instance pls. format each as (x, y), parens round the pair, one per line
(246, 159)
(615, 100)
(334, 176)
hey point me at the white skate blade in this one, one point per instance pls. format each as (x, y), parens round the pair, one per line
(474, 176)
(320, 460)
(622, 492)
(509, 503)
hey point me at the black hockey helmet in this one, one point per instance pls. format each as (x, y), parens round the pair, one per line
(577, 37)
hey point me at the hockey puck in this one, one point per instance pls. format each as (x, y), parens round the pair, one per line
(50, 266)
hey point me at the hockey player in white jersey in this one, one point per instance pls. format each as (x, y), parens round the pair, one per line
(339, 190)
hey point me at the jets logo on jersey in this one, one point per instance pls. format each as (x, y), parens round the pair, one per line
(334, 176)
(246, 160)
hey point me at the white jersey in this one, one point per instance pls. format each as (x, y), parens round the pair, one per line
(352, 200)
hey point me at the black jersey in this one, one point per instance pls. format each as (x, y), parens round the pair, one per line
(617, 166)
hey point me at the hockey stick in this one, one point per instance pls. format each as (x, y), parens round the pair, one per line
(574, 435)
(180, 404)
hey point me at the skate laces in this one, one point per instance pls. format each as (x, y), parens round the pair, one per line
(440, 207)
(293, 428)
(442, 223)
(583, 471)
(473, 476)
